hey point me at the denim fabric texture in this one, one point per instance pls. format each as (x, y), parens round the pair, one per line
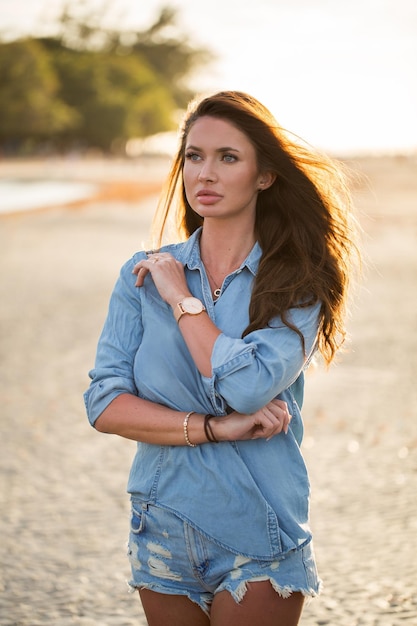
(168, 556)
(250, 497)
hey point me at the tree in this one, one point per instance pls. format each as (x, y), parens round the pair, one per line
(28, 88)
(167, 51)
(95, 86)
(115, 97)
(173, 60)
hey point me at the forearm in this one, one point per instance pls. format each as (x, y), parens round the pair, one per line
(141, 420)
(200, 335)
(134, 418)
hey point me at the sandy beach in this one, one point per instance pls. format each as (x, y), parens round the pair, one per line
(64, 510)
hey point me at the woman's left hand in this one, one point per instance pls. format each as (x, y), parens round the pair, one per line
(270, 420)
(167, 274)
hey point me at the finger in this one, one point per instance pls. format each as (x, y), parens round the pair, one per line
(146, 265)
(154, 257)
(141, 273)
(136, 268)
(282, 407)
(287, 417)
(284, 421)
(149, 256)
(280, 421)
(281, 404)
(265, 424)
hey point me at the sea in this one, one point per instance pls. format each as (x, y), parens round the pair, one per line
(30, 195)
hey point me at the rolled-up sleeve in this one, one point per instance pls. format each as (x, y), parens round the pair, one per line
(248, 373)
(122, 332)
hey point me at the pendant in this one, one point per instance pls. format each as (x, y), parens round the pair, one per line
(216, 293)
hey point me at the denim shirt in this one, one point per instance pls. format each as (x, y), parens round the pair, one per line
(252, 497)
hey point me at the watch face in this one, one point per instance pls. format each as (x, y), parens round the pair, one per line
(192, 305)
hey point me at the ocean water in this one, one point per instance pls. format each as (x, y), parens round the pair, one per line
(18, 195)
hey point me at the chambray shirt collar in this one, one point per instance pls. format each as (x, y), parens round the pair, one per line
(191, 257)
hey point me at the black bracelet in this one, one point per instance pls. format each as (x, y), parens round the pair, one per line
(208, 431)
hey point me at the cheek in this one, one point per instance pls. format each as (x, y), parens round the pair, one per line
(247, 180)
(188, 189)
(188, 186)
(188, 177)
(248, 186)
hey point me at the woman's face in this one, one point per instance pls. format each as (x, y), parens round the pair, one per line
(221, 176)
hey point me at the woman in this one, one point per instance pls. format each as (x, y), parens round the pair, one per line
(201, 362)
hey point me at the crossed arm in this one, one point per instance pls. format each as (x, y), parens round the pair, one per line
(141, 420)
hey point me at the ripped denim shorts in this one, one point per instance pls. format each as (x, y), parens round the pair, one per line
(168, 556)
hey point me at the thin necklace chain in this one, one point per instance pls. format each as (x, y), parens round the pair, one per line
(218, 290)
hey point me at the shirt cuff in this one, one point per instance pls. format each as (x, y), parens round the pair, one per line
(101, 393)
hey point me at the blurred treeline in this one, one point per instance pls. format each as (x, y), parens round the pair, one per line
(90, 87)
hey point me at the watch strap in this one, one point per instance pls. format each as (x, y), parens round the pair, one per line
(178, 312)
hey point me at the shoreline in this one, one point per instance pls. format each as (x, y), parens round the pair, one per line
(123, 180)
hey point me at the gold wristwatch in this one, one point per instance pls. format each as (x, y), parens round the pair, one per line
(190, 306)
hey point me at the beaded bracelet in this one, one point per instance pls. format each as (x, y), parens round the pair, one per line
(185, 426)
(208, 431)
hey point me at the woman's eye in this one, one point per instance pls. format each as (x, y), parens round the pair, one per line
(229, 158)
(192, 156)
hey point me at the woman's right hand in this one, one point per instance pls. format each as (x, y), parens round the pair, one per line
(265, 423)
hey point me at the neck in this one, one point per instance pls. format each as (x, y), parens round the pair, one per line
(224, 250)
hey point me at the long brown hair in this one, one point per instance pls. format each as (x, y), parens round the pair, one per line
(303, 224)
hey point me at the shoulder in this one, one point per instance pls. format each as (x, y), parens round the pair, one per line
(182, 251)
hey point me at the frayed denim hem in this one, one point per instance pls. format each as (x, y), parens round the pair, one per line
(239, 592)
(201, 601)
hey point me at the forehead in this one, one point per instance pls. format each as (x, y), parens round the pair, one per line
(213, 132)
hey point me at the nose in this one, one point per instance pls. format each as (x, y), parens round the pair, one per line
(207, 171)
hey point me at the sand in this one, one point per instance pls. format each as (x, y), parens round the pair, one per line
(64, 510)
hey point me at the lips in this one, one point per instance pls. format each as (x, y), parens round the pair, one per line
(208, 196)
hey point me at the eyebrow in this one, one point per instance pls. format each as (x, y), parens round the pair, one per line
(225, 149)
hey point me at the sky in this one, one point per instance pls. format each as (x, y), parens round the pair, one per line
(342, 74)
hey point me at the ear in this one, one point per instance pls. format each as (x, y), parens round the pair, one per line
(265, 180)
